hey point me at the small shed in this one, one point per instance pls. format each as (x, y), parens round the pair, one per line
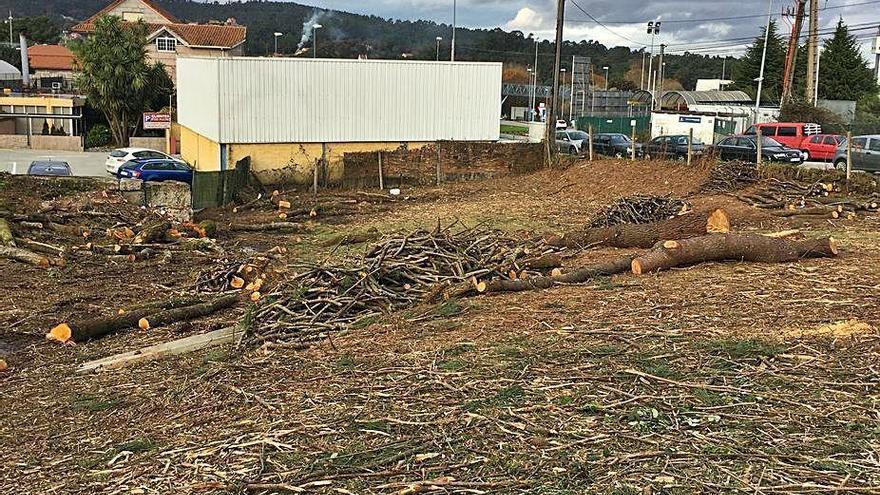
(697, 100)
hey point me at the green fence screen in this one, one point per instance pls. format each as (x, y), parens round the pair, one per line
(212, 189)
(622, 125)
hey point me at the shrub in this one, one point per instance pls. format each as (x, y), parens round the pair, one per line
(98, 135)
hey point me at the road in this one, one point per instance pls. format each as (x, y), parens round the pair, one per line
(83, 163)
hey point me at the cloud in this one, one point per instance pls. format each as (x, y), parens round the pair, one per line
(526, 20)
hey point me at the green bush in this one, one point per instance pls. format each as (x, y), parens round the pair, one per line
(98, 135)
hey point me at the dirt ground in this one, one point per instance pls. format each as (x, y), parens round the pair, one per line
(718, 378)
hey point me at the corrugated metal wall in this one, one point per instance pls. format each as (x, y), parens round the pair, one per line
(271, 100)
(198, 93)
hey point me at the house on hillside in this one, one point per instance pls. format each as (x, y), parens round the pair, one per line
(170, 38)
(51, 67)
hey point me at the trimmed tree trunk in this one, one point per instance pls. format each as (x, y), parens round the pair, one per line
(29, 257)
(6, 238)
(731, 247)
(155, 315)
(693, 224)
(577, 276)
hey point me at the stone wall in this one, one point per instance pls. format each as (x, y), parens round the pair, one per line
(56, 143)
(459, 161)
(13, 141)
(152, 143)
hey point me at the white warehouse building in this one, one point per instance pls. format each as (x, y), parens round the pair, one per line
(286, 114)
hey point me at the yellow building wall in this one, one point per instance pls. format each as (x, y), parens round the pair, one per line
(199, 151)
(282, 162)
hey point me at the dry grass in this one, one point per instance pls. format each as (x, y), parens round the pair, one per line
(712, 379)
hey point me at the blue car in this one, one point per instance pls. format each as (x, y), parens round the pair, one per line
(156, 170)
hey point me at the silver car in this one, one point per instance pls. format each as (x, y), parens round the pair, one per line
(571, 142)
(865, 153)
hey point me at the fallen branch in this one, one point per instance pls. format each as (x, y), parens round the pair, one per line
(29, 257)
(354, 238)
(692, 224)
(731, 247)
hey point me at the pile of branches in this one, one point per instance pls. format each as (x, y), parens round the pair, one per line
(395, 273)
(788, 198)
(639, 209)
(731, 176)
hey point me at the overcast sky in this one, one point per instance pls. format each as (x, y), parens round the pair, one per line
(538, 16)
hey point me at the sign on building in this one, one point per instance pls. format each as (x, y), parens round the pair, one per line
(154, 120)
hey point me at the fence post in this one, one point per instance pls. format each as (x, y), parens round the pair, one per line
(590, 136)
(381, 176)
(633, 139)
(438, 163)
(315, 179)
(690, 145)
(759, 141)
(848, 158)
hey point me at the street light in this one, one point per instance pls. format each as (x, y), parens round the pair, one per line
(606, 77)
(439, 39)
(531, 97)
(653, 30)
(454, 22)
(315, 28)
(562, 71)
(277, 35)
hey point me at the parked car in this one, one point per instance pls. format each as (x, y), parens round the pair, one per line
(122, 155)
(865, 153)
(615, 144)
(156, 170)
(54, 168)
(821, 146)
(745, 148)
(675, 147)
(791, 134)
(561, 124)
(571, 142)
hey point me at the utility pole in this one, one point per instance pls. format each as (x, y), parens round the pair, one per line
(661, 66)
(653, 30)
(554, 94)
(812, 50)
(10, 28)
(454, 25)
(793, 46)
(763, 61)
(642, 74)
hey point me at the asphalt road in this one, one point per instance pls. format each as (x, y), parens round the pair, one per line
(83, 163)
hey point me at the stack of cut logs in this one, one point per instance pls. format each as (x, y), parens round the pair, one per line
(793, 199)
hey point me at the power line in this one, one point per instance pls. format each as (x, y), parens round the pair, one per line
(573, 2)
(729, 18)
(694, 46)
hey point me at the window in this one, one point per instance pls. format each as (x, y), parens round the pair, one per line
(830, 140)
(166, 44)
(787, 131)
(875, 144)
(117, 153)
(768, 130)
(859, 143)
(728, 142)
(817, 140)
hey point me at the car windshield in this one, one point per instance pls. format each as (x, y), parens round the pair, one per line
(620, 138)
(117, 153)
(577, 135)
(770, 143)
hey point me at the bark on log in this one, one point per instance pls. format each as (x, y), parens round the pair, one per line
(156, 315)
(819, 210)
(731, 247)
(29, 257)
(544, 262)
(576, 276)
(6, 239)
(693, 224)
(41, 247)
(154, 233)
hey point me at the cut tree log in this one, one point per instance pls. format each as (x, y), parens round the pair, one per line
(6, 238)
(41, 247)
(353, 238)
(173, 348)
(731, 247)
(815, 211)
(153, 233)
(692, 224)
(29, 257)
(156, 316)
(544, 262)
(269, 227)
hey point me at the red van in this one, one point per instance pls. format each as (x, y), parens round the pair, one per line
(791, 134)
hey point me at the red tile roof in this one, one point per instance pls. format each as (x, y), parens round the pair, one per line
(201, 35)
(50, 57)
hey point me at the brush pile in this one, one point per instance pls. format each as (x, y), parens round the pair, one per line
(731, 176)
(395, 273)
(788, 198)
(639, 210)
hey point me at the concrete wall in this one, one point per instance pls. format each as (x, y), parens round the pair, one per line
(13, 141)
(199, 151)
(56, 143)
(277, 163)
(170, 58)
(153, 143)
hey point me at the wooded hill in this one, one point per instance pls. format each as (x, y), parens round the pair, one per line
(348, 35)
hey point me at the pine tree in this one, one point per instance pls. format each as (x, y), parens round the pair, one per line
(843, 72)
(748, 69)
